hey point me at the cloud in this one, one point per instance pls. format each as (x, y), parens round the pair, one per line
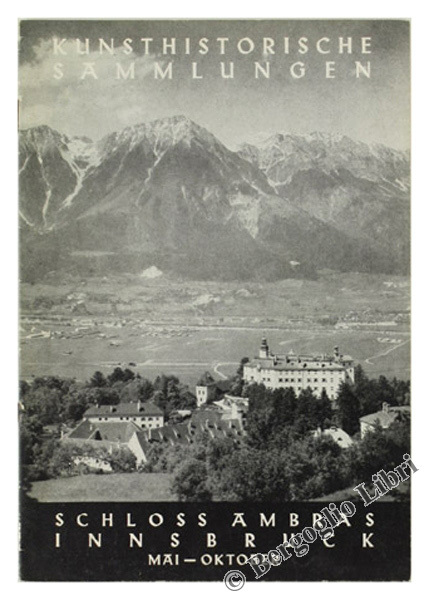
(233, 110)
(79, 93)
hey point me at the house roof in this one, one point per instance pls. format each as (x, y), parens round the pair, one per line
(205, 416)
(107, 432)
(214, 423)
(228, 402)
(142, 439)
(96, 444)
(175, 434)
(207, 421)
(385, 417)
(339, 436)
(127, 409)
(222, 429)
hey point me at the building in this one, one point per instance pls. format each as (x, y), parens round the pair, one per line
(208, 391)
(300, 371)
(234, 408)
(109, 433)
(144, 414)
(383, 418)
(89, 436)
(339, 436)
(216, 423)
(112, 427)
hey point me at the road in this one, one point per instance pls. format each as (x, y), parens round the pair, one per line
(370, 358)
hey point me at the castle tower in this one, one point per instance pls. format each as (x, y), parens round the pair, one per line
(264, 350)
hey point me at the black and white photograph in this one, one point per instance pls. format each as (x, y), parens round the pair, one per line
(214, 298)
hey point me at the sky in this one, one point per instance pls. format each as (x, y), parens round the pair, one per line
(243, 108)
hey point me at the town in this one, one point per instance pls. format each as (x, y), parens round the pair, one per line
(218, 412)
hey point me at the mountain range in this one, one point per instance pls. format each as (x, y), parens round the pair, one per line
(169, 194)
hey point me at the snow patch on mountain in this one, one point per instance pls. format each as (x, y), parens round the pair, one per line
(151, 273)
(22, 169)
(48, 190)
(81, 155)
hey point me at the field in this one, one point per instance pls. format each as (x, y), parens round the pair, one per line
(118, 487)
(73, 328)
(144, 487)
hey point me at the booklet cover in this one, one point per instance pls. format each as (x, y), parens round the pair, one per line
(214, 300)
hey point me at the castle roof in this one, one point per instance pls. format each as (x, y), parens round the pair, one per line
(299, 363)
(125, 409)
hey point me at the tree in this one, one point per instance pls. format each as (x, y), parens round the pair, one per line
(401, 392)
(217, 453)
(23, 388)
(30, 430)
(159, 400)
(189, 482)
(76, 402)
(380, 449)
(164, 458)
(315, 467)
(75, 409)
(259, 426)
(205, 379)
(310, 412)
(122, 460)
(348, 409)
(45, 402)
(138, 389)
(171, 395)
(252, 475)
(361, 380)
(237, 386)
(371, 393)
(98, 380)
(59, 459)
(324, 411)
(285, 406)
(307, 468)
(119, 375)
(275, 416)
(106, 395)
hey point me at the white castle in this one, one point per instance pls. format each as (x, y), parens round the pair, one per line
(317, 372)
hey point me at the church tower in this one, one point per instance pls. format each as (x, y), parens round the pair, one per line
(264, 350)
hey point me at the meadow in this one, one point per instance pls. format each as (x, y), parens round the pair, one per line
(118, 487)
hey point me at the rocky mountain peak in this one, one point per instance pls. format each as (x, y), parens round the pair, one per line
(159, 134)
(168, 192)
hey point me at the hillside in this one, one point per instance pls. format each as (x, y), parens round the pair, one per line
(168, 193)
(361, 190)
